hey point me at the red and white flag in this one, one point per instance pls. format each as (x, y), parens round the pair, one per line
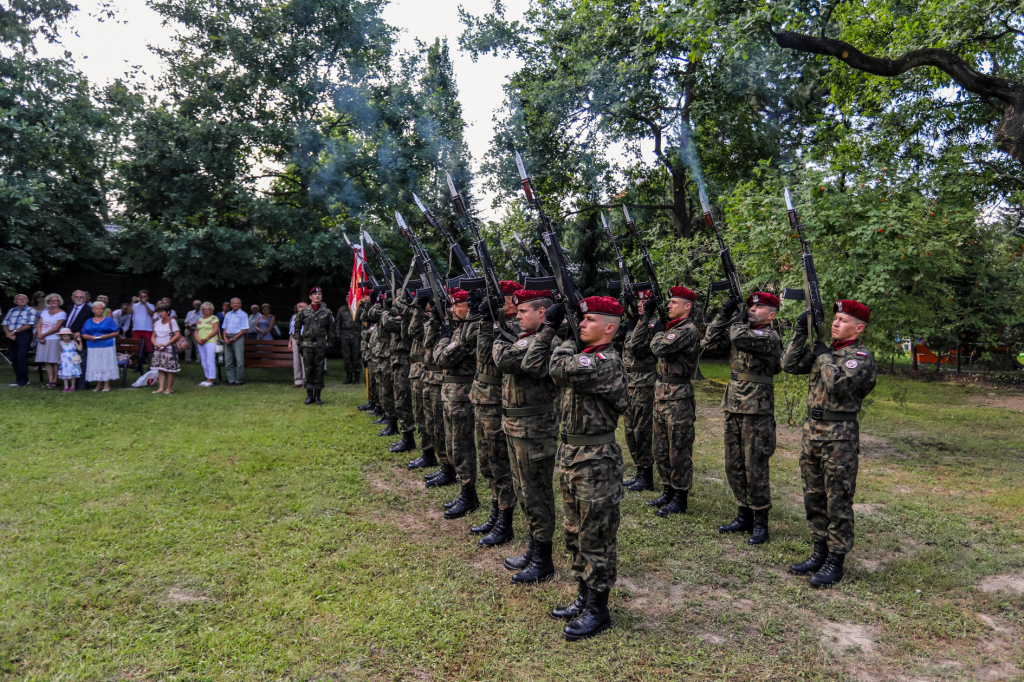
(355, 293)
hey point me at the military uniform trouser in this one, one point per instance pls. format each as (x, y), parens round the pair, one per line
(591, 493)
(492, 449)
(371, 383)
(313, 358)
(673, 441)
(433, 418)
(350, 352)
(829, 472)
(386, 386)
(749, 444)
(639, 426)
(402, 390)
(418, 413)
(533, 471)
(458, 434)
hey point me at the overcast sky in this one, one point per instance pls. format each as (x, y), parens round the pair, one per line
(107, 50)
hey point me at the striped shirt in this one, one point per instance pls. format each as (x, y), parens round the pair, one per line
(17, 317)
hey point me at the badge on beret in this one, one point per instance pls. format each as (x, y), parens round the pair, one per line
(756, 299)
(583, 307)
(523, 343)
(759, 332)
(585, 360)
(852, 364)
(671, 336)
(839, 304)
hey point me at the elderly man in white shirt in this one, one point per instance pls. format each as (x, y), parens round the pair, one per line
(142, 322)
(191, 320)
(233, 331)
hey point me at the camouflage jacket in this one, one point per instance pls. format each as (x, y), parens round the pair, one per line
(345, 327)
(377, 347)
(457, 358)
(525, 383)
(364, 329)
(753, 352)
(396, 323)
(637, 354)
(839, 382)
(487, 387)
(417, 353)
(315, 329)
(595, 396)
(677, 349)
(432, 374)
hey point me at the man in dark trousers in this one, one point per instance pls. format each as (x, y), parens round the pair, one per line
(314, 325)
(19, 326)
(77, 317)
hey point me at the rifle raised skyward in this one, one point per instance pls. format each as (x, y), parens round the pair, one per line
(624, 286)
(731, 283)
(453, 246)
(648, 263)
(429, 273)
(811, 293)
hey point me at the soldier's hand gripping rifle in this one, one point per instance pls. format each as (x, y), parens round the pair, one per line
(625, 285)
(429, 273)
(811, 293)
(570, 294)
(645, 258)
(731, 283)
(460, 255)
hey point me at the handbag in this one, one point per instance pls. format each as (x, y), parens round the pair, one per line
(76, 359)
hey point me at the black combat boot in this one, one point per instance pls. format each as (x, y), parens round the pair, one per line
(348, 378)
(813, 562)
(540, 569)
(427, 459)
(760, 534)
(407, 443)
(502, 531)
(381, 418)
(592, 620)
(666, 497)
(574, 609)
(433, 474)
(743, 523)
(316, 397)
(390, 430)
(451, 503)
(518, 563)
(676, 506)
(644, 480)
(309, 396)
(366, 407)
(446, 477)
(377, 411)
(831, 573)
(487, 525)
(470, 503)
(630, 481)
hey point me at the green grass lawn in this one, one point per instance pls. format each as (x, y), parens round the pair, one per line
(236, 534)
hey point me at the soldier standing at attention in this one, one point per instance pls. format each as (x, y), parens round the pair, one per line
(491, 443)
(590, 461)
(455, 353)
(637, 422)
(755, 358)
(677, 347)
(433, 405)
(374, 346)
(364, 345)
(531, 425)
(397, 321)
(388, 343)
(314, 325)
(841, 376)
(417, 356)
(347, 332)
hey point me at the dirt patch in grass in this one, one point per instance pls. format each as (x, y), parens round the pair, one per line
(996, 624)
(1006, 402)
(839, 637)
(178, 595)
(1008, 582)
(866, 509)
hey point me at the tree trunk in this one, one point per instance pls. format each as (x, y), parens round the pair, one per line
(913, 352)
(959, 356)
(681, 225)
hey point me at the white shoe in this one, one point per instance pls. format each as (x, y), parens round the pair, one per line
(205, 384)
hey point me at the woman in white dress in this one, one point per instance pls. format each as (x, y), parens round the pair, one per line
(49, 323)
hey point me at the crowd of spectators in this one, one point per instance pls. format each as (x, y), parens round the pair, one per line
(76, 343)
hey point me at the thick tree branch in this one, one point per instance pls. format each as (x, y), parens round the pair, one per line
(1008, 135)
(596, 207)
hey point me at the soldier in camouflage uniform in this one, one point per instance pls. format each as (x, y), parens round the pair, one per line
(364, 345)
(677, 346)
(491, 442)
(417, 370)
(842, 375)
(397, 321)
(314, 325)
(590, 460)
(529, 402)
(347, 332)
(755, 358)
(637, 422)
(380, 351)
(455, 353)
(433, 405)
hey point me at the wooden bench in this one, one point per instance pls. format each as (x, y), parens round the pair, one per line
(263, 354)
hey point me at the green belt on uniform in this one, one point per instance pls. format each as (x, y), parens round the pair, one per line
(488, 379)
(672, 379)
(588, 439)
(457, 379)
(755, 378)
(528, 411)
(826, 416)
(416, 358)
(641, 368)
(433, 368)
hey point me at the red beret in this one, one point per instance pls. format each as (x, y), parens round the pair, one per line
(682, 292)
(763, 298)
(643, 295)
(458, 295)
(601, 305)
(853, 309)
(508, 287)
(316, 290)
(524, 295)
